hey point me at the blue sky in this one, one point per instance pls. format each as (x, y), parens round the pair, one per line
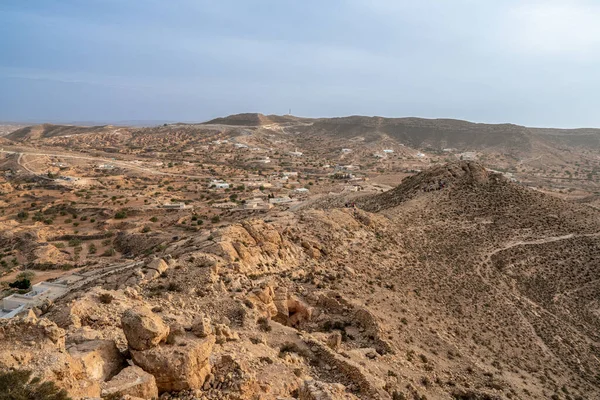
(528, 62)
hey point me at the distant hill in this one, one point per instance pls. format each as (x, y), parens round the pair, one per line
(254, 119)
(418, 133)
(45, 131)
(426, 133)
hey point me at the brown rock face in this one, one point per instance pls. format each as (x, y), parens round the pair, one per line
(143, 329)
(100, 358)
(177, 367)
(201, 326)
(132, 381)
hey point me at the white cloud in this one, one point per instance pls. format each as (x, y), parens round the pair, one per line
(568, 27)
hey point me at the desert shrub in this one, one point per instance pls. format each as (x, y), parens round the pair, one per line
(20, 284)
(75, 242)
(153, 219)
(19, 385)
(121, 214)
(264, 325)
(174, 287)
(292, 348)
(22, 215)
(109, 253)
(92, 249)
(106, 298)
(26, 275)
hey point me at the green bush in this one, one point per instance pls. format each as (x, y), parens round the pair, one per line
(122, 214)
(20, 284)
(19, 385)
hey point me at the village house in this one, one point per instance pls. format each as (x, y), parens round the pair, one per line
(219, 184)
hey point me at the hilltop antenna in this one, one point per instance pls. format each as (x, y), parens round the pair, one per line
(290, 113)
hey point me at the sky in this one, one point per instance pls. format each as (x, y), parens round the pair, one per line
(534, 63)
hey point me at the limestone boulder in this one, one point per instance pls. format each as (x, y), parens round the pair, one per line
(299, 311)
(132, 381)
(143, 329)
(100, 358)
(201, 326)
(159, 265)
(177, 367)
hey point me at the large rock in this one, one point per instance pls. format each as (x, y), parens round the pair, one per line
(100, 358)
(132, 381)
(177, 367)
(39, 346)
(143, 329)
(202, 326)
(159, 265)
(154, 269)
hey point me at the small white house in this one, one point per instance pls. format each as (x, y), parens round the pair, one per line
(219, 184)
(280, 200)
(174, 206)
(301, 190)
(389, 151)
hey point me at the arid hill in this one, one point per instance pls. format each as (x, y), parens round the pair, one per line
(456, 284)
(254, 119)
(45, 131)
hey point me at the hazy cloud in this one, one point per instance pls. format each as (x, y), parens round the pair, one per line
(528, 62)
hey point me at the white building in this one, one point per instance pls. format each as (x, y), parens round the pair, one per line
(301, 190)
(106, 166)
(468, 155)
(257, 204)
(280, 200)
(388, 151)
(16, 303)
(219, 184)
(296, 153)
(174, 206)
(225, 205)
(346, 150)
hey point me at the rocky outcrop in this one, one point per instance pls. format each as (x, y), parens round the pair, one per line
(143, 329)
(181, 366)
(6, 188)
(39, 346)
(281, 306)
(201, 326)
(48, 254)
(132, 381)
(256, 246)
(100, 358)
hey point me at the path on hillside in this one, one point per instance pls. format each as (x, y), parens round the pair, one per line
(122, 164)
(540, 241)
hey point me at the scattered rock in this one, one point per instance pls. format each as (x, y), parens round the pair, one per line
(132, 381)
(143, 329)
